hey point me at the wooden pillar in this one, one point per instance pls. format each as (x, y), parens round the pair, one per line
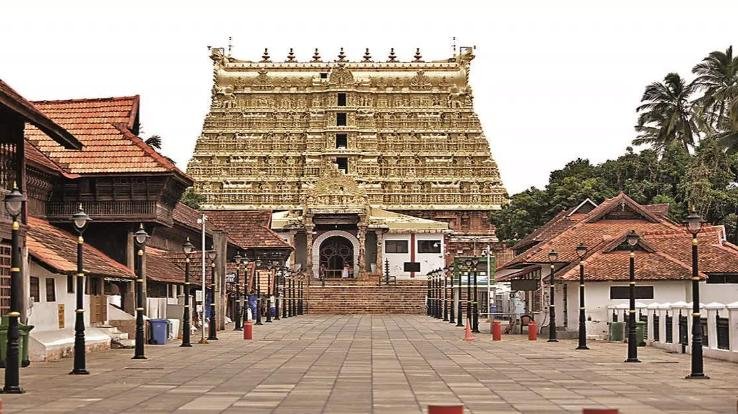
(221, 247)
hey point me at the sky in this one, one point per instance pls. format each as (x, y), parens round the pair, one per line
(552, 80)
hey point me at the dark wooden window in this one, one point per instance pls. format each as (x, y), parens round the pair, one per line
(341, 141)
(656, 331)
(341, 119)
(429, 246)
(395, 246)
(50, 289)
(705, 337)
(342, 164)
(34, 289)
(669, 329)
(323, 75)
(722, 279)
(623, 292)
(723, 333)
(342, 99)
(70, 284)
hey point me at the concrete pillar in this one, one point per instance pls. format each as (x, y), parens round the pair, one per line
(309, 228)
(712, 310)
(379, 263)
(361, 235)
(662, 311)
(220, 243)
(650, 313)
(733, 325)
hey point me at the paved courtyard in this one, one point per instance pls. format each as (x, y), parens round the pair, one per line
(375, 364)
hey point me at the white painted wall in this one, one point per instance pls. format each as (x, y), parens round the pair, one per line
(720, 293)
(428, 261)
(597, 299)
(42, 314)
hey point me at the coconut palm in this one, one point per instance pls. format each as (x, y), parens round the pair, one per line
(154, 141)
(717, 77)
(666, 114)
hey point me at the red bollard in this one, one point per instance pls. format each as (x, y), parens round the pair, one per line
(532, 330)
(496, 329)
(248, 330)
(445, 409)
(600, 411)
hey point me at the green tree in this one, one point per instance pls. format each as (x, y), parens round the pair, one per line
(192, 199)
(717, 78)
(665, 115)
(154, 141)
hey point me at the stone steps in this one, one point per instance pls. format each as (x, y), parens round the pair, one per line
(406, 297)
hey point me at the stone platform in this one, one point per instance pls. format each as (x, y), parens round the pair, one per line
(367, 297)
(393, 364)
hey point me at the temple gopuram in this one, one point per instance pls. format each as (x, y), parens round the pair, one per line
(362, 163)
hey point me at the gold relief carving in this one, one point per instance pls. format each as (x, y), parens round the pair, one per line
(341, 76)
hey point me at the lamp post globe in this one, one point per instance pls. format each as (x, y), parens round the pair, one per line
(694, 225)
(187, 249)
(14, 206)
(632, 239)
(553, 256)
(140, 237)
(581, 252)
(80, 220)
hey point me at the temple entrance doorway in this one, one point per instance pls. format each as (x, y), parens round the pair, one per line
(336, 258)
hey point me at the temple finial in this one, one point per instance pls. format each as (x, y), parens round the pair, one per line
(316, 56)
(230, 45)
(418, 56)
(341, 56)
(265, 56)
(291, 56)
(367, 56)
(392, 56)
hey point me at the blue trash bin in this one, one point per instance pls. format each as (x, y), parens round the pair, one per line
(159, 331)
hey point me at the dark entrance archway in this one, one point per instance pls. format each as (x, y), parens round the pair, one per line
(336, 252)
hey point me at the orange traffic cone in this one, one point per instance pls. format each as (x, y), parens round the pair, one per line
(468, 333)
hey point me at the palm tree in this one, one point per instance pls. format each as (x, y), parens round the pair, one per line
(154, 141)
(717, 76)
(666, 116)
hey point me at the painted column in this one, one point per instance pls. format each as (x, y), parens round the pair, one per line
(361, 235)
(380, 251)
(712, 311)
(221, 247)
(309, 228)
(733, 325)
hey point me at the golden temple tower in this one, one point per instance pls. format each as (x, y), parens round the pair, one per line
(406, 132)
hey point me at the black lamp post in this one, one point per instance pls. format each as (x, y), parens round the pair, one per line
(285, 275)
(187, 248)
(14, 205)
(475, 303)
(445, 294)
(258, 293)
(468, 263)
(632, 239)
(270, 267)
(460, 308)
(436, 296)
(80, 220)
(451, 316)
(141, 236)
(694, 225)
(301, 298)
(552, 256)
(429, 306)
(277, 277)
(236, 305)
(581, 251)
(212, 328)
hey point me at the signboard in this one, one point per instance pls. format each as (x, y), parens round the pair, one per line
(524, 284)
(60, 315)
(412, 267)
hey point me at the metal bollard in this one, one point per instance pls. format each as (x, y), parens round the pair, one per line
(248, 330)
(532, 330)
(446, 409)
(496, 329)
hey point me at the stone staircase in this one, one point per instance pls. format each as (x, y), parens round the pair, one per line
(118, 339)
(360, 297)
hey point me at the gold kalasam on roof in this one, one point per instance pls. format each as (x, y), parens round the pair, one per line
(411, 139)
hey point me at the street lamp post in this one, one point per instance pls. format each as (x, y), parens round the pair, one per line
(301, 300)
(212, 328)
(285, 275)
(632, 239)
(80, 220)
(581, 251)
(258, 294)
(187, 248)
(278, 274)
(475, 303)
(452, 316)
(428, 306)
(141, 236)
(694, 225)
(468, 263)
(236, 305)
(459, 308)
(14, 205)
(552, 256)
(445, 294)
(270, 267)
